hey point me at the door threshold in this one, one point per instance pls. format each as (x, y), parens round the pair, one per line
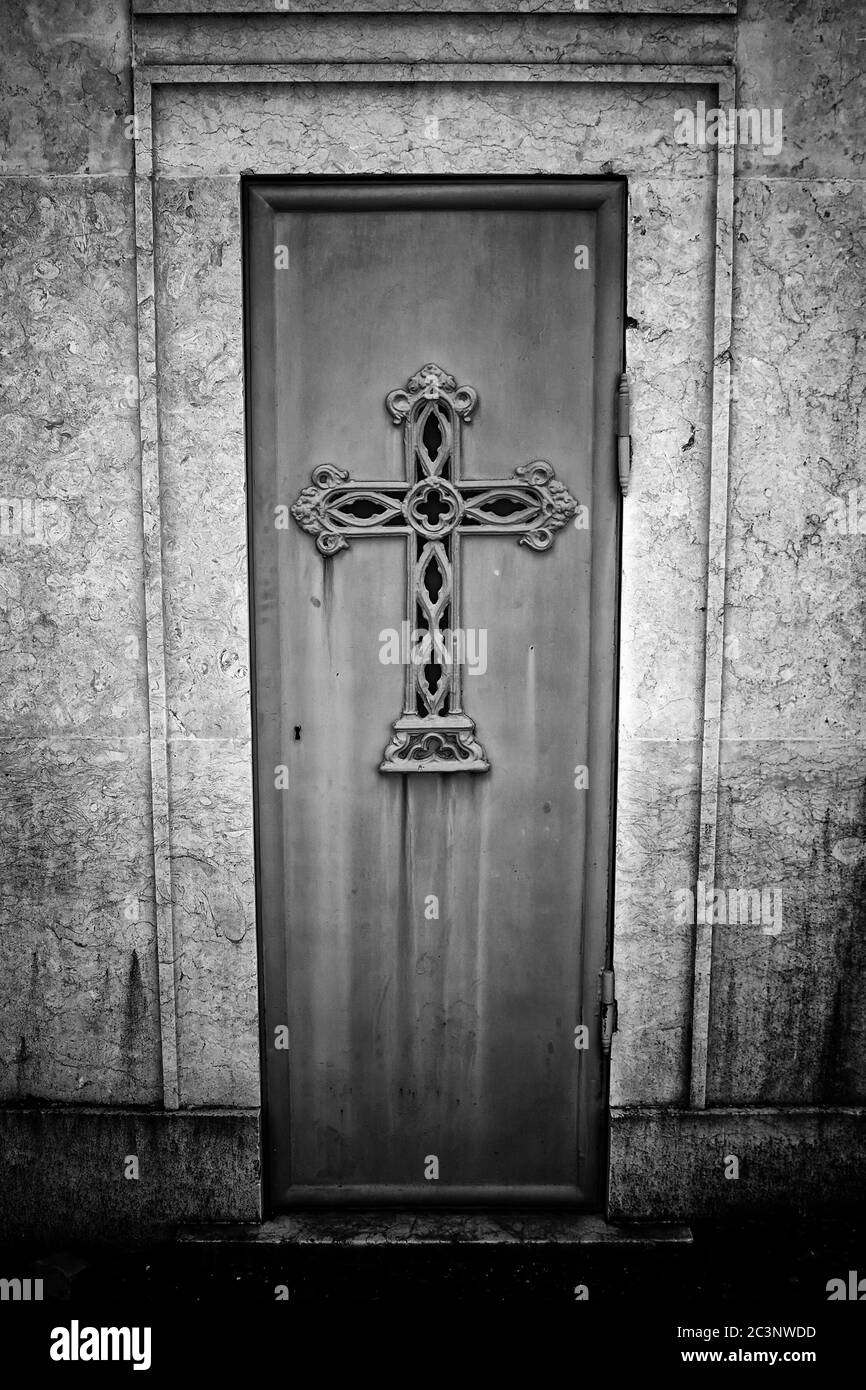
(436, 1228)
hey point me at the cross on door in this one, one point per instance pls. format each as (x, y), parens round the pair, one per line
(434, 508)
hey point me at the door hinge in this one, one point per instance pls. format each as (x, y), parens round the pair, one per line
(608, 1010)
(623, 433)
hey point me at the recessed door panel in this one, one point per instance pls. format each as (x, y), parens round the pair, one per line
(434, 618)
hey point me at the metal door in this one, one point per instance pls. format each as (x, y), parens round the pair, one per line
(432, 369)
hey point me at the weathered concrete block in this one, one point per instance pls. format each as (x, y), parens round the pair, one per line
(669, 1164)
(62, 1171)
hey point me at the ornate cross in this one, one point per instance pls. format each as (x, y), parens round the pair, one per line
(434, 507)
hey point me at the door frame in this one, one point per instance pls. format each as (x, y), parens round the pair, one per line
(261, 197)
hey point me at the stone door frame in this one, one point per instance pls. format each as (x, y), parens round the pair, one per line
(149, 78)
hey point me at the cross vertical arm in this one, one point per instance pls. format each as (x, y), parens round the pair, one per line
(433, 733)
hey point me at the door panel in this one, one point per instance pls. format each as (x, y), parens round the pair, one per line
(415, 1036)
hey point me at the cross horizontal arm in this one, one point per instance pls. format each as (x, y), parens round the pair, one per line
(334, 506)
(532, 504)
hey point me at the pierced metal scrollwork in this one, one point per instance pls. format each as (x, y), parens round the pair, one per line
(434, 508)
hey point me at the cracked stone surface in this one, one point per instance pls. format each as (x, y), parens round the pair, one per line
(492, 127)
(666, 1162)
(657, 827)
(684, 7)
(805, 57)
(203, 496)
(669, 347)
(213, 893)
(80, 1020)
(798, 440)
(439, 1228)
(788, 1013)
(65, 87)
(681, 7)
(71, 613)
(576, 37)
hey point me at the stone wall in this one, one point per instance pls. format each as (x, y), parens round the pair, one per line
(80, 1018)
(128, 942)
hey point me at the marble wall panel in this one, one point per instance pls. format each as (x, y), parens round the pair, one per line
(69, 415)
(200, 336)
(71, 629)
(65, 87)
(213, 896)
(494, 127)
(805, 57)
(79, 955)
(786, 1025)
(796, 575)
(788, 1014)
(80, 1015)
(657, 828)
(669, 348)
(71, 613)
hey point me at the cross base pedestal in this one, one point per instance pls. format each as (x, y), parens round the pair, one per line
(438, 743)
